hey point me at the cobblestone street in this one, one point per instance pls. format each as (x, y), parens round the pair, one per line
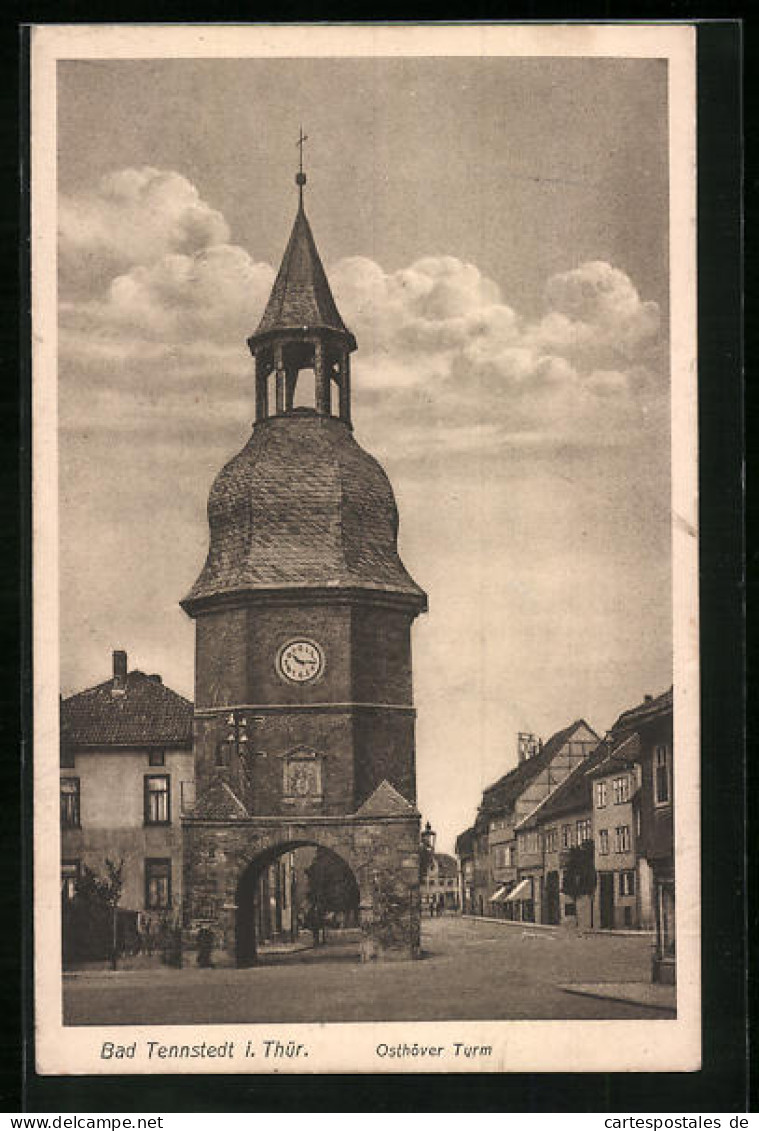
(471, 970)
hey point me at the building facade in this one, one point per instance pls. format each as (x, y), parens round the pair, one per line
(614, 808)
(465, 857)
(623, 895)
(510, 864)
(561, 825)
(653, 808)
(440, 884)
(126, 779)
(304, 718)
(598, 806)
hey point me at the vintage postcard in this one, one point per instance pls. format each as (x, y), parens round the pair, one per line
(365, 549)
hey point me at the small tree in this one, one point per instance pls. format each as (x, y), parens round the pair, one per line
(99, 897)
(332, 885)
(579, 873)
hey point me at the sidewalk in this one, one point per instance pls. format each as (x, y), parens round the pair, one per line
(650, 994)
(620, 932)
(282, 947)
(151, 964)
(524, 925)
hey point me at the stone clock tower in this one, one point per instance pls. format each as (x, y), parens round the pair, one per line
(304, 718)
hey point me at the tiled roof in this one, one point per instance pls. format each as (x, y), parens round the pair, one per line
(619, 753)
(302, 506)
(301, 297)
(219, 802)
(508, 788)
(147, 714)
(465, 843)
(649, 709)
(446, 865)
(386, 801)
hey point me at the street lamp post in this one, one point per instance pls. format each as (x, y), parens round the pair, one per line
(428, 838)
(426, 850)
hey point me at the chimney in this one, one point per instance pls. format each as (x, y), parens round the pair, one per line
(528, 745)
(119, 672)
(648, 698)
(155, 678)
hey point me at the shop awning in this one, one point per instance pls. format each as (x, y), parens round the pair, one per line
(499, 896)
(523, 890)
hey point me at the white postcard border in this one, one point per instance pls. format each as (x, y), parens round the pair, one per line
(542, 1046)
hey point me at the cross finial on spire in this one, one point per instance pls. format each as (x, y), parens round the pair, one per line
(300, 177)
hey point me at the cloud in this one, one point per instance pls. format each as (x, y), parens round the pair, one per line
(588, 364)
(168, 299)
(214, 295)
(596, 309)
(133, 216)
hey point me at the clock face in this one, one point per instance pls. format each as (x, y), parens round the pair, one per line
(301, 661)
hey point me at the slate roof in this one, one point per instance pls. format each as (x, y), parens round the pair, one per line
(386, 801)
(508, 788)
(301, 297)
(147, 714)
(302, 506)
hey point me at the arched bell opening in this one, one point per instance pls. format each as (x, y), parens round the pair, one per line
(309, 372)
(297, 901)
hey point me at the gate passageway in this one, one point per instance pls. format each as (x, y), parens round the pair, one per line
(297, 902)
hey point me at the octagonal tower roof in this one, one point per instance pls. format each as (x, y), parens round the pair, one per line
(301, 297)
(302, 506)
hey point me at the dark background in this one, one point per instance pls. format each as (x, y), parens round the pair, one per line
(722, 1085)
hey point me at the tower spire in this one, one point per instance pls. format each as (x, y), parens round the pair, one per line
(300, 176)
(301, 329)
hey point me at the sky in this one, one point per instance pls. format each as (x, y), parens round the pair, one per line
(495, 234)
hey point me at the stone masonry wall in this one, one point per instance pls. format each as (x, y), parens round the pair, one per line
(383, 855)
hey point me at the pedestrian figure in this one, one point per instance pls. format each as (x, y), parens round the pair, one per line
(321, 929)
(313, 922)
(205, 941)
